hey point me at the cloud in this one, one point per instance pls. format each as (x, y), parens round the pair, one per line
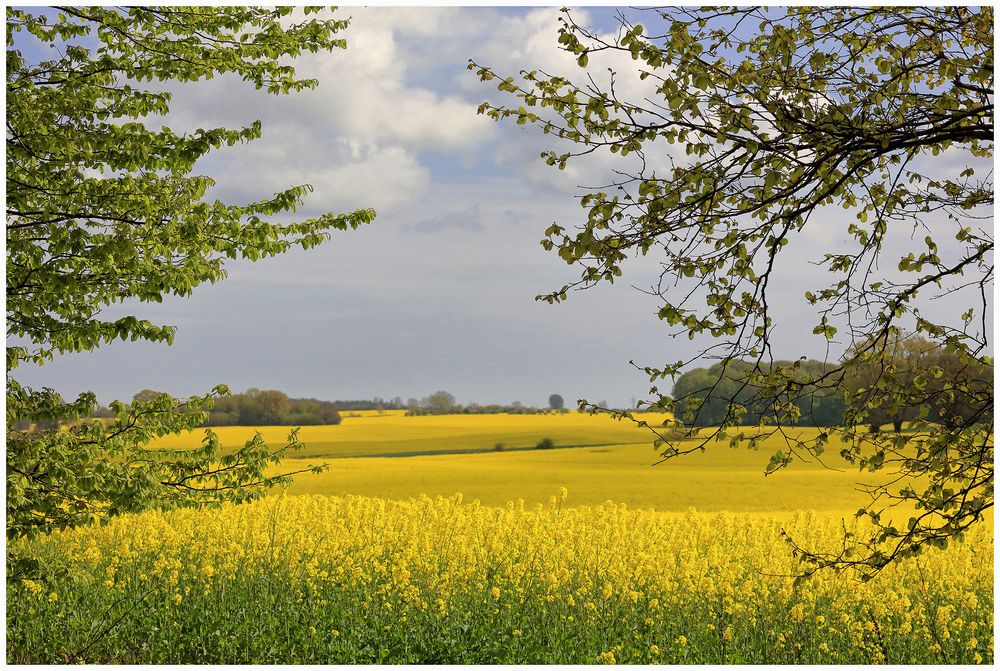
(358, 138)
(463, 220)
(530, 42)
(344, 175)
(373, 97)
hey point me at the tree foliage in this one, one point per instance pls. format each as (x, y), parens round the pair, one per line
(104, 206)
(703, 396)
(759, 123)
(556, 401)
(256, 407)
(440, 401)
(947, 388)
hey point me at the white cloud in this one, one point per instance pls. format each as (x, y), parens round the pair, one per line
(383, 179)
(463, 220)
(372, 97)
(357, 138)
(393, 126)
(530, 42)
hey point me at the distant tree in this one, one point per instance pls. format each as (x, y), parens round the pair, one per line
(948, 389)
(440, 400)
(412, 403)
(271, 406)
(516, 404)
(103, 207)
(898, 361)
(556, 402)
(147, 395)
(707, 396)
(958, 389)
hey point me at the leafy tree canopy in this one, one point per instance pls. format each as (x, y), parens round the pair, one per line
(703, 396)
(440, 400)
(103, 207)
(757, 122)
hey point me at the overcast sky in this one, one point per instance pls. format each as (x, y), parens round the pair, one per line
(438, 292)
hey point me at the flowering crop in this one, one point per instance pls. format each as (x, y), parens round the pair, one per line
(297, 579)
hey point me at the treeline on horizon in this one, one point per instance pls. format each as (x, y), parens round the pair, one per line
(254, 407)
(705, 396)
(477, 409)
(270, 407)
(702, 396)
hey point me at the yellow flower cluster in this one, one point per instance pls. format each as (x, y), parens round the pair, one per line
(684, 584)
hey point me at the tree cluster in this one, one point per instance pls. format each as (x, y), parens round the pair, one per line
(476, 409)
(707, 396)
(947, 389)
(267, 407)
(953, 391)
(376, 403)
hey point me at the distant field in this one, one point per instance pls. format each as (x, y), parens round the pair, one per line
(372, 413)
(611, 461)
(719, 480)
(395, 434)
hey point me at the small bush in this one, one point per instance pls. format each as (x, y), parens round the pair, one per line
(499, 447)
(545, 444)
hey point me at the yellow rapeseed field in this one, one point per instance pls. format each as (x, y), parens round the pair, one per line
(596, 458)
(584, 553)
(369, 434)
(355, 579)
(372, 413)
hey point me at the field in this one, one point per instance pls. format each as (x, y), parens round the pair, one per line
(468, 554)
(596, 458)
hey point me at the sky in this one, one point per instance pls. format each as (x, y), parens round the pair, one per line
(438, 293)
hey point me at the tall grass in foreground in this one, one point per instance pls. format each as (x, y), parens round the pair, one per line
(362, 580)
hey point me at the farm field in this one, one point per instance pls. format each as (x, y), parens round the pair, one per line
(302, 579)
(584, 554)
(596, 458)
(370, 434)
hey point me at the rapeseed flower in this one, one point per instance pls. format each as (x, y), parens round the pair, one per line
(430, 563)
